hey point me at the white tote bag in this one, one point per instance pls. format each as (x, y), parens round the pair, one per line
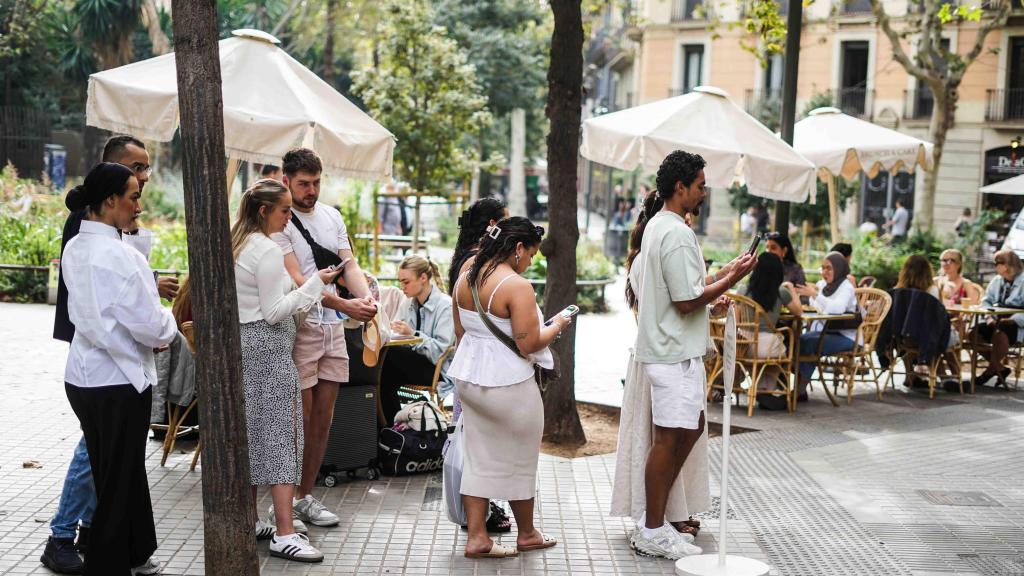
(453, 476)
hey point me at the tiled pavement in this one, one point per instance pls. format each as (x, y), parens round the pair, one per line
(906, 486)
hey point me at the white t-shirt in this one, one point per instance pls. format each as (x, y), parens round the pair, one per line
(900, 220)
(326, 227)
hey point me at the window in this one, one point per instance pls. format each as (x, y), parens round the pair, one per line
(773, 74)
(852, 97)
(1015, 80)
(686, 9)
(856, 6)
(879, 195)
(693, 66)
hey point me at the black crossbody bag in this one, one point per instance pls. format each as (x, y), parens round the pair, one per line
(323, 257)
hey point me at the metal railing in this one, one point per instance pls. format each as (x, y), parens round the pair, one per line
(1003, 105)
(683, 10)
(854, 101)
(918, 104)
(854, 6)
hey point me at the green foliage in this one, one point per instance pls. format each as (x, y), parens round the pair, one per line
(817, 213)
(974, 236)
(591, 264)
(448, 230)
(31, 223)
(349, 206)
(818, 100)
(425, 91)
(170, 248)
(740, 199)
(768, 28)
(873, 256)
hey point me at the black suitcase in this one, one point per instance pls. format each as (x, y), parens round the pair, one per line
(352, 443)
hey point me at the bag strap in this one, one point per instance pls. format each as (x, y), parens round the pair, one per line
(305, 233)
(501, 336)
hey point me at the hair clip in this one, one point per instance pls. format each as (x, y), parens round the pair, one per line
(493, 232)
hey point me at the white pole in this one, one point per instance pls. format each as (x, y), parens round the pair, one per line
(723, 516)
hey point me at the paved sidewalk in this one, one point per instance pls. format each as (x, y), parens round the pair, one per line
(908, 486)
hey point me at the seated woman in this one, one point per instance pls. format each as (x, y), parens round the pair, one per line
(780, 245)
(846, 250)
(427, 315)
(1005, 290)
(954, 289)
(833, 294)
(766, 287)
(917, 274)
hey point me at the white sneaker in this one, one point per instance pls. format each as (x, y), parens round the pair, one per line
(310, 509)
(295, 547)
(150, 568)
(683, 535)
(663, 542)
(264, 530)
(297, 524)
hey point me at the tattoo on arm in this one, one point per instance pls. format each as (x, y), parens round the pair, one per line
(521, 336)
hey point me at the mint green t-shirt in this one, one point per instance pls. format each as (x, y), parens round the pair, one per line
(670, 268)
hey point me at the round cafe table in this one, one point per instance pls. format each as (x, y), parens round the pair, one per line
(809, 315)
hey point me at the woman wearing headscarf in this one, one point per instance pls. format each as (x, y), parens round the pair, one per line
(833, 294)
(114, 306)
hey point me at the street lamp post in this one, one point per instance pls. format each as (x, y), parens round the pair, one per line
(794, 24)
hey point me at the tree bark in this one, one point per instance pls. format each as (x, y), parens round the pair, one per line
(227, 500)
(332, 8)
(151, 20)
(565, 88)
(943, 112)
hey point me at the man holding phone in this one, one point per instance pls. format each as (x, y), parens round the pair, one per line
(320, 353)
(674, 296)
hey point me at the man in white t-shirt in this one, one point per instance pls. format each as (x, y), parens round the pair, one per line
(320, 354)
(900, 222)
(674, 293)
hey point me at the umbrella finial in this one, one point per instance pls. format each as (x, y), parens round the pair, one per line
(712, 90)
(255, 35)
(824, 110)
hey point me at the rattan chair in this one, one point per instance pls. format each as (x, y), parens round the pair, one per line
(415, 390)
(856, 365)
(748, 335)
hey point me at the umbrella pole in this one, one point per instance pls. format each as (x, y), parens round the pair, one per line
(376, 232)
(232, 171)
(416, 225)
(833, 207)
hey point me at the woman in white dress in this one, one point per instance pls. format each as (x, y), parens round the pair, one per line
(502, 411)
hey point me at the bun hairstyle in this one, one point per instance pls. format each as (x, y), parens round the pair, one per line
(106, 179)
(472, 224)
(679, 166)
(420, 265)
(500, 242)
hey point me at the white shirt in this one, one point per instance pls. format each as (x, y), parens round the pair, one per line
(900, 220)
(325, 225)
(842, 301)
(113, 303)
(748, 223)
(264, 287)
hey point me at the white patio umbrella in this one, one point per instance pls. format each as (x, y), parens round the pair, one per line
(706, 122)
(1013, 186)
(272, 103)
(841, 145)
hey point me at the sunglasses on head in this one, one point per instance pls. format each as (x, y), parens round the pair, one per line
(948, 260)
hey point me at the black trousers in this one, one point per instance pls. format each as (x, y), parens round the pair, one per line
(402, 366)
(115, 422)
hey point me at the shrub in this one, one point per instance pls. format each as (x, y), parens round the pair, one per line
(591, 264)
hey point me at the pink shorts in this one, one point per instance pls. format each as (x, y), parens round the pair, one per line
(320, 353)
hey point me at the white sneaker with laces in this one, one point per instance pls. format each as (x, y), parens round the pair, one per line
(296, 523)
(295, 547)
(150, 568)
(663, 542)
(311, 510)
(264, 530)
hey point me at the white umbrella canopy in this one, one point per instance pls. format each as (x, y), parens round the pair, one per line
(1013, 186)
(705, 122)
(845, 145)
(272, 104)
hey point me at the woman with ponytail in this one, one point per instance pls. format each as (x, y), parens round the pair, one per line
(273, 402)
(118, 319)
(427, 315)
(474, 221)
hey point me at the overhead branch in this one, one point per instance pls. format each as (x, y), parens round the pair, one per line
(979, 40)
(897, 46)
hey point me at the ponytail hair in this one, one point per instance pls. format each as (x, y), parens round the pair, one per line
(500, 243)
(264, 193)
(678, 167)
(472, 224)
(420, 265)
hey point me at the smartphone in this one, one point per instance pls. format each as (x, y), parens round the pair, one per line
(567, 313)
(754, 242)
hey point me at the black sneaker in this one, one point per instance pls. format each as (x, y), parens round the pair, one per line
(82, 544)
(60, 556)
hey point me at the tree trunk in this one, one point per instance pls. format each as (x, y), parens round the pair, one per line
(565, 87)
(227, 500)
(151, 20)
(332, 8)
(943, 113)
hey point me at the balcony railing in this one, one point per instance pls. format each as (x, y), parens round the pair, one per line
(1004, 105)
(683, 10)
(918, 104)
(757, 100)
(855, 6)
(855, 101)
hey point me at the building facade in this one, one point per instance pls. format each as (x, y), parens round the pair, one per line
(660, 48)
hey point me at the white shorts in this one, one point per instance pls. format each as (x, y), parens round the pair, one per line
(677, 393)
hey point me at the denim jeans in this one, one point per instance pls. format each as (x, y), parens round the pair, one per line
(78, 498)
(809, 344)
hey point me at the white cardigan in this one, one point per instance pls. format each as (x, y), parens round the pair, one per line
(264, 287)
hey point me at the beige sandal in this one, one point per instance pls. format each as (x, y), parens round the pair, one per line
(547, 542)
(496, 551)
